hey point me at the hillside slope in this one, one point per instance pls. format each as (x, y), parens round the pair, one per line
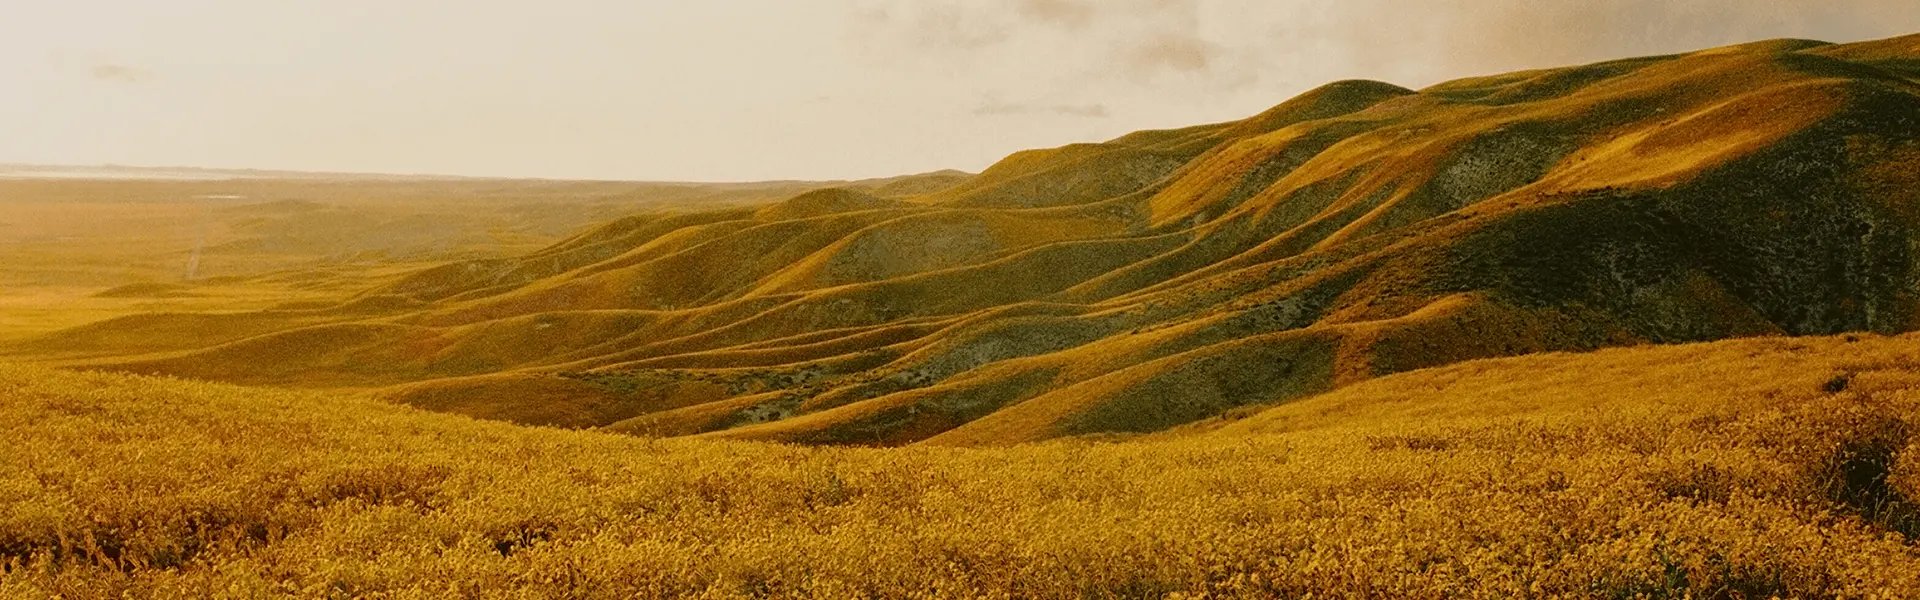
(1779, 467)
(1165, 277)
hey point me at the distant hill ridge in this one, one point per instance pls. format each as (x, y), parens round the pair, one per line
(1167, 277)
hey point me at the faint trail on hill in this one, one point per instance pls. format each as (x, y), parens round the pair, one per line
(200, 242)
(200, 238)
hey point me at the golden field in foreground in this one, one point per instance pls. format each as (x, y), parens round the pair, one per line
(1738, 469)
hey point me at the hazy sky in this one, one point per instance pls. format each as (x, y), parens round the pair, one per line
(759, 89)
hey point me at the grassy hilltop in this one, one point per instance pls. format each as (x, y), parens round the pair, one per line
(1741, 469)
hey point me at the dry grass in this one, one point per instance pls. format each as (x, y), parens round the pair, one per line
(1759, 468)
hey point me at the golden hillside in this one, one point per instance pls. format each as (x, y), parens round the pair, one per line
(1163, 277)
(1775, 467)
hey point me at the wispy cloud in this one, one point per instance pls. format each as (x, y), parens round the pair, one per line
(930, 25)
(116, 73)
(1073, 14)
(994, 108)
(1227, 45)
(1132, 42)
(1172, 52)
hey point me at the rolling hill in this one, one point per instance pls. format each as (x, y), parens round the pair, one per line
(1162, 278)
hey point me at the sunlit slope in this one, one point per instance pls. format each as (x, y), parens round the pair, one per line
(1777, 467)
(1165, 277)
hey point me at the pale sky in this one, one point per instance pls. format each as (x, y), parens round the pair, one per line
(761, 89)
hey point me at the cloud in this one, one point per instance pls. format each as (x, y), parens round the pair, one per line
(1441, 39)
(995, 108)
(113, 73)
(929, 25)
(1235, 54)
(1072, 14)
(1172, 52)
(1131, 42)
